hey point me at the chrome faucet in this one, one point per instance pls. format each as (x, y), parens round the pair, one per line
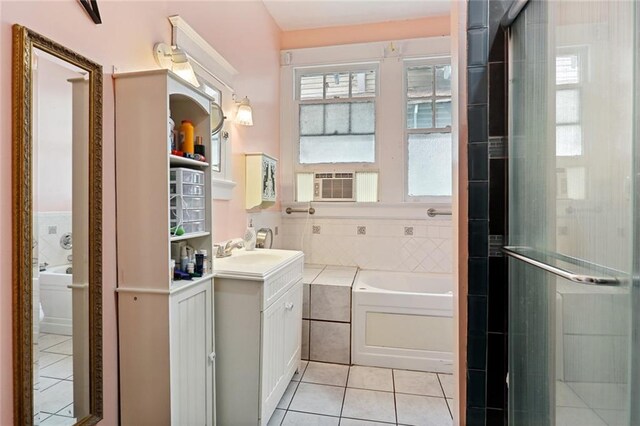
(225, 251)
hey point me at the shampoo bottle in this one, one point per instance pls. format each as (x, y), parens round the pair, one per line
(250, 237)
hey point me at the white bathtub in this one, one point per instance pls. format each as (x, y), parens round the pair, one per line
(403, 320)
(56, 298)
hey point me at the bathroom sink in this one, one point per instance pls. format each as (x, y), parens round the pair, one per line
(254, 264)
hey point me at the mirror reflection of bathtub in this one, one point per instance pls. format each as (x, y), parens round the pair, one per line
(55, 299)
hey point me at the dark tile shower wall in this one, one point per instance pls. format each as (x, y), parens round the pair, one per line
(487, 157)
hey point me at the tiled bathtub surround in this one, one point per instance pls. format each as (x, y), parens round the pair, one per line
(385, 244)
(326, 313)
(51, 226)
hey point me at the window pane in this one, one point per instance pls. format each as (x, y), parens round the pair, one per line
(366, 187)
(336, 118)
(337, 149)
(443, 80)
(363, 84)
(311, 119)
(337, 85)
(567, 106)
(419, 81)
(443, 113)
(568, 140)
(567, 69)
(419, 115)
(429, 164)
(363, 117)
(311, 86)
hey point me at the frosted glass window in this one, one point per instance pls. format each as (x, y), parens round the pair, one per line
(419, 115)
(366, 187)
(567, 106)
(429, 164)
(337, 85)
(568, 140)
(363, 84)
(312, 86)
(443, 80)
(311, 119)
(363, 117)
(336, 119)
(567, 69)
(419, 81)
(337, 149)
(443, 113)
(304, 187)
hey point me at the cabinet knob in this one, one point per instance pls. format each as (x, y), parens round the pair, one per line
(212, 356)
(289, 306)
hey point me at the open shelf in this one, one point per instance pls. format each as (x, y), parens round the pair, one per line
(187, 236)
(184, 284)
(182, 161)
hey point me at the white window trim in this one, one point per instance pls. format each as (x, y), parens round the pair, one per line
(430, 199)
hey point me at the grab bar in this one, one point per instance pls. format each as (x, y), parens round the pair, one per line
(433, 213)
(310, 210)
(518, 253)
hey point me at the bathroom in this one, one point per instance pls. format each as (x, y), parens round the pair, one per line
(386, 167)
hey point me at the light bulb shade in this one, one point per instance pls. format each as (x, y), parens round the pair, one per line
(176, 60)
(244, 116)
(185, 71)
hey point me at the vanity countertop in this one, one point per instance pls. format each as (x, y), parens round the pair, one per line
(254, 265)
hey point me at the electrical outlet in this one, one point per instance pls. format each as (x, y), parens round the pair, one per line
(408, 230)
(315, 229)
(53, 230)
(362, 230)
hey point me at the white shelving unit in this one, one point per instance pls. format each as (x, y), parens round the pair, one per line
(166, 327)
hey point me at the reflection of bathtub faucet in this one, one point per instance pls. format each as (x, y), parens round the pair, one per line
(66, 241)
(43, 266)
(70, 258)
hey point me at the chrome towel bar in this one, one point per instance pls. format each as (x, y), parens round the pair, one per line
(433, 213)
(527, 255)
(310, 210)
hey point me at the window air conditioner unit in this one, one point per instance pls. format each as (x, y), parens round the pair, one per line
(334, 187)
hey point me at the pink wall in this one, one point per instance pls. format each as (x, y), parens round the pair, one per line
(383, 31)
(243, 32)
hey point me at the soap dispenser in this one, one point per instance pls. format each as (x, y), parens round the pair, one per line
(250, 237)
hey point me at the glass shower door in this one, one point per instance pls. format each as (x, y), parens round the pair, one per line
(571, 205)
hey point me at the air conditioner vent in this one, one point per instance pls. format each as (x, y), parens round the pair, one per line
(333, 187)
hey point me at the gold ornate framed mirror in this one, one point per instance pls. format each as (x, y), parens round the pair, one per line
(57, 225)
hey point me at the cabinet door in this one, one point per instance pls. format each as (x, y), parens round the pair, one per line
(273, 361)
(191, 328)
(292, 326)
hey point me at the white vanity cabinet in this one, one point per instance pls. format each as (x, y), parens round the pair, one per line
(165, 327)
(258, 320)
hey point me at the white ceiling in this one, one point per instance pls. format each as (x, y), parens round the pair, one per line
(304, 14)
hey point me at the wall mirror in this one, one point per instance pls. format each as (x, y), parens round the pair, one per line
(57, 225)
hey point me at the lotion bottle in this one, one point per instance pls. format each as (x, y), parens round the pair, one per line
(250, 237)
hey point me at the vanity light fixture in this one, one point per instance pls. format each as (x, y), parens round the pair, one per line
(175, 59)
(244, 116)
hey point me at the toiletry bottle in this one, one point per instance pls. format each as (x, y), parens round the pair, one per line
(172, 268)
(199, 263)
(205, 261)
(250, 237)
(184, 259)
(186, 136)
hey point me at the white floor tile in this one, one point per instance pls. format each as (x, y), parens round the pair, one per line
(369, 405)
(371, 378)
(66, 411)
(448, 385)
(58, 421)
(47, 382)
(417, 383)
(45, 341)
(56, 397)
(326, 374)
(288, 395)
(422, 410)
(610, 396)
(566, 397)
(46, 359)
(353, 422)
(294, 418)
(301, 370)
(318, 399)
(59, 370)
(276, 417)
(65, 348)
(571, 416)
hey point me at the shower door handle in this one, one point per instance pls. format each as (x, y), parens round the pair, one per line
(519, 254)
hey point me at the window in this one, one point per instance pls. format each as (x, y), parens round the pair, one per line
(337, 116)
(428, 128)
(568, 108)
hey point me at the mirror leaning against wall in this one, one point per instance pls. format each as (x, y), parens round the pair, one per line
(57, 240)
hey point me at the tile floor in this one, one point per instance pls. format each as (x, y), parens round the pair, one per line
(56, 379)
(591, 404)
(334, 394)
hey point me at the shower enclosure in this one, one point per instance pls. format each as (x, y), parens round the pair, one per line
(574, 214)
